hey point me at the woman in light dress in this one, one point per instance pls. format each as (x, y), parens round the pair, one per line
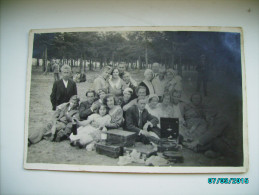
(91, 129)
(115, 84)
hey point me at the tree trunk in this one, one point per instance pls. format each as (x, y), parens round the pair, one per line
(101, 64)
(46, 60)
(146, 56)
(81, 63)
(90, 65)
(38, 62)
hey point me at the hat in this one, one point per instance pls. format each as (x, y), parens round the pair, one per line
(153, 96)
(128, 90)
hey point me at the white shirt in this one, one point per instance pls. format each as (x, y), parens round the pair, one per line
(150, 87)
(159, 86)
(65, 83)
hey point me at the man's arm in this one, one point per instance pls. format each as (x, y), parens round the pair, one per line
(53, 96)
(154, 120)
(74, 89)
(85, 110)
(130, 123)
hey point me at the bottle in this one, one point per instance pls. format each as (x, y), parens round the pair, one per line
(104, 134)
(74, 126)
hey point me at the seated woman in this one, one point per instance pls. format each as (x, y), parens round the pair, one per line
(60, 126)
(126, 98)
(153, 107)
(148, 74)
(115, 84)
(91, 129)
(115, 112)
(159, 110)
(101, 93)
(166, 107)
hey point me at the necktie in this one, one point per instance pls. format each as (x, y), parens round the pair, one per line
(140, 122)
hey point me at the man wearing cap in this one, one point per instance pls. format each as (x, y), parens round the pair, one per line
(60, 126)
(63, 89)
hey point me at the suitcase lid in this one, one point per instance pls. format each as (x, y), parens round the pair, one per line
(120, 132)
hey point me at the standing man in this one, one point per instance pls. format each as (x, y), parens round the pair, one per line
(159, 83)
(126, 79)
(101, 81)
(122, 69)
(63, 89)
(202, 70)
(55, 69)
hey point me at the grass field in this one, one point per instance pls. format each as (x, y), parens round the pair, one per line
(223, 93)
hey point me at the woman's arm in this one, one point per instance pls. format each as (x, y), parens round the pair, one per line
(116, 119)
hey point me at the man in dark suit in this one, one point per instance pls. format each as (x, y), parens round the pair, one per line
(139, 120)
(63, 89)
(87, 107)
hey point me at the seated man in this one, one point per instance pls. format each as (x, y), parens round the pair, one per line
(140, 121)
(87, 107)
(60, 126)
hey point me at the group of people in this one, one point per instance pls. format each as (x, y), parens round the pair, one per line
(78, 77)
(118, 101)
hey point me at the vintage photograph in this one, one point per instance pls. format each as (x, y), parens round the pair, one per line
(136, 99)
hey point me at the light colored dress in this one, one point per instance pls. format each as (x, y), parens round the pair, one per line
(116, 87)
(159, 85)
(116, 115)
(87, 134)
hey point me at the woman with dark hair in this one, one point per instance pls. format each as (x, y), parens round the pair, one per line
(90, 130)
(115, 112)
(115, 84)
(126, 98)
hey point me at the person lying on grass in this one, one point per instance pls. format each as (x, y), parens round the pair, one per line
(92, 129)
(61, 124)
